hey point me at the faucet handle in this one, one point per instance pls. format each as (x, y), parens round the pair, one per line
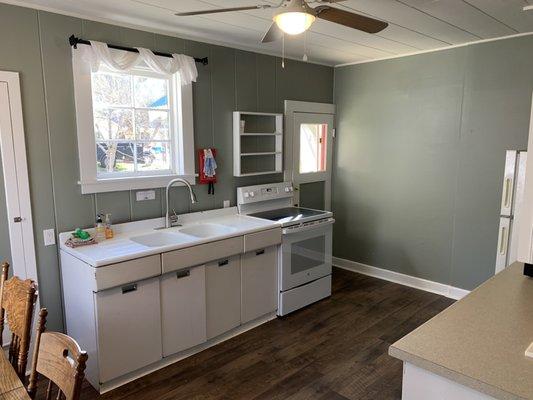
(173, 218)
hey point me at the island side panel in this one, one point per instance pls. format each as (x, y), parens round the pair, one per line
(420, 384)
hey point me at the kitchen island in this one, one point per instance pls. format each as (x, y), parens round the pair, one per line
(475, 349)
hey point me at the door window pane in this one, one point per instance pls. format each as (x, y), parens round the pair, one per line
(313, 147)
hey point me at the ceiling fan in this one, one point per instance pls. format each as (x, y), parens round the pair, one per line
(296, 16)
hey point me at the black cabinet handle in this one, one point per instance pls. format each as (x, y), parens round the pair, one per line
(222, 263)
(129, 288)
(183, 274)
(260, 252)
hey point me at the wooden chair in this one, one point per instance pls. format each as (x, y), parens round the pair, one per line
(17, 301)
(58, 358)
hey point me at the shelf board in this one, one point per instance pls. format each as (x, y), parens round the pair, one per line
(260, 173)
(261, 153)
(262, 134)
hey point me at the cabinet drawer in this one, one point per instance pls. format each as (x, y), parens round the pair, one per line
(129, 328)
(183, 309)
(260, 240)
(126, 272)
(259, 272)
(191, 256)
(223, 294)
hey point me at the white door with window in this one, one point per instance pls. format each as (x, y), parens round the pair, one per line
(309, 152)
(16, 229)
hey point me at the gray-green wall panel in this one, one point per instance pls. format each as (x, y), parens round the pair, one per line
(419, 158)
(48, 105)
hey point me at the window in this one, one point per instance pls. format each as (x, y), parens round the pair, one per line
(134, 128)
(313, 138)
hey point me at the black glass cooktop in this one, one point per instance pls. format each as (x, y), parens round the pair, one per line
(287, 214)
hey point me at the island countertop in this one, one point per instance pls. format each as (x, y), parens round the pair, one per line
(480, 340)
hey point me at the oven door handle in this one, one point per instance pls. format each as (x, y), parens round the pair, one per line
(308, 227)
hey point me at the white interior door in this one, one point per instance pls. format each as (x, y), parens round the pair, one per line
(309, 152)
(16, 233)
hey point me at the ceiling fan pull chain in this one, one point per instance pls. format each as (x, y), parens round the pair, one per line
(305, 58)
(283, 51)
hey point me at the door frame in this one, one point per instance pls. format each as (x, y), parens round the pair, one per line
(16, 179)
(292, 107)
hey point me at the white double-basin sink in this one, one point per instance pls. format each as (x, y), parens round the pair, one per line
(183, 235)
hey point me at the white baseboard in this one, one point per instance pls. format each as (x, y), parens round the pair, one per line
(396, 277)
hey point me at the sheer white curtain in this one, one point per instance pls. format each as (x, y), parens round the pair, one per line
(98, 54)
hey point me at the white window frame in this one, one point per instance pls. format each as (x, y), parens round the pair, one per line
(182, 123)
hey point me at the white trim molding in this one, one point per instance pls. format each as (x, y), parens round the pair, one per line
(449, 291)
(415, 53)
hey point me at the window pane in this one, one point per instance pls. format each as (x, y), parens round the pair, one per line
(313, 147)
(113, 123)
(151, 125)
(150, 92)
(115, 157)
(111, 89)
(155, 156)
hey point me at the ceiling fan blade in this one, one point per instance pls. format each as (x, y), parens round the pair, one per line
(273, 34)
(351, 20)
(221, 10)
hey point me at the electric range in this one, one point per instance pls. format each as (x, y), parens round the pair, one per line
(305, 255)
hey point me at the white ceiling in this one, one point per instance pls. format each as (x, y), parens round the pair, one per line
(415, 25)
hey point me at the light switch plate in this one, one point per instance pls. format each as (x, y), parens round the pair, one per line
(226, 203)
(145, 195)
(49, 237)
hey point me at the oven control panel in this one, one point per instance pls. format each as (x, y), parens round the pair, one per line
(258, 193)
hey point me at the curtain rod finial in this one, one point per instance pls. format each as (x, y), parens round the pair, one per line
(73, 41)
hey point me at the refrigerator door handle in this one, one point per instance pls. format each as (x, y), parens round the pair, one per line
(507, 194)
(503, 240)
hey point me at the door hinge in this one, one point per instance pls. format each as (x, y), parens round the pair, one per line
(17, 219)
(334, 132)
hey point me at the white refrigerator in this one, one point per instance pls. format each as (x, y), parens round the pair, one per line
(512, 197)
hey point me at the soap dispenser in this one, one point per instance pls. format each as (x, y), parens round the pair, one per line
(99, 229)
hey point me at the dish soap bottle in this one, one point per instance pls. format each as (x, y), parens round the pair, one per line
(99, 229)
(108, 229)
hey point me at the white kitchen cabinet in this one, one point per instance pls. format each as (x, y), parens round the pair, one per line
(129, 328)
(223, 295)
(259, 280)
(183, 309)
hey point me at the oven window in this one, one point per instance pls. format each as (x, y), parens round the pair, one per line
(308, 254)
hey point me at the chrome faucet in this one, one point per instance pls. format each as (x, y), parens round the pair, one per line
(172, 221)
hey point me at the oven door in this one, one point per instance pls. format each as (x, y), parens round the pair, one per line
(305, 253)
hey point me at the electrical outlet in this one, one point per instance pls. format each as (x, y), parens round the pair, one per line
(145, 195)
(226, 203)
(49, 237)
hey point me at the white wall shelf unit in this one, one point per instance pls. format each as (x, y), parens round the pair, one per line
(257, 143)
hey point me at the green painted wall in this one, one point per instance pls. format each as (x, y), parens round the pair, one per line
(420, 154)
(34, 43)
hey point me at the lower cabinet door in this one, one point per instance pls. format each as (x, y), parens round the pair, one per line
(129, 328)
(223, 294)
(259, 283)
(183, 309)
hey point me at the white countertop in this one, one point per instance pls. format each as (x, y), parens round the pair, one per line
(122, 248)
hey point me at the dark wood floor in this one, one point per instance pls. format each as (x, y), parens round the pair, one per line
(335, 349)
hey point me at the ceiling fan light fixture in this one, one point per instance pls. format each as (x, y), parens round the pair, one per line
(294, 18)
(294, 23)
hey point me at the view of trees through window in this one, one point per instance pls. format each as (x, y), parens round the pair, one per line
(131, 123)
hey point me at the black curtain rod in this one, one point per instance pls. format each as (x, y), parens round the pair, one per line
(74, 41)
